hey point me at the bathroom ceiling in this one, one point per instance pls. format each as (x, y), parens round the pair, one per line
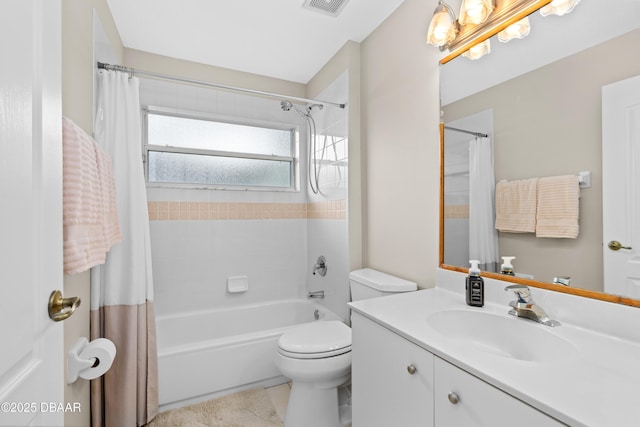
(275, 38)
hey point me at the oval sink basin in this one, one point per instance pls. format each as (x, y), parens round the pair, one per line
(503, 336)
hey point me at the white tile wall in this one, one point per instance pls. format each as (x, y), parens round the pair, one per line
(192, 259)
(331, 237)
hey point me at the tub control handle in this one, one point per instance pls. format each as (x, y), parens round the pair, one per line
(321, 266)
(411, 368)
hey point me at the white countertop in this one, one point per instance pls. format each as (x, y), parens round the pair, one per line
(597, 385)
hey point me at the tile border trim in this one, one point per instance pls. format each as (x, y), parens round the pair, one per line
(208, 211)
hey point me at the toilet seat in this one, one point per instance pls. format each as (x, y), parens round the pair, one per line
(316, 340)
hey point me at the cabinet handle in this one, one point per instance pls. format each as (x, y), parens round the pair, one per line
(412, 369)
(453, 398)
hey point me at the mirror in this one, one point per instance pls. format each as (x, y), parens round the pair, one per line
(539, 101)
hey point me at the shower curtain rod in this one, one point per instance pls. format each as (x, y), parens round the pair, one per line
(133, 71)
(478, 134)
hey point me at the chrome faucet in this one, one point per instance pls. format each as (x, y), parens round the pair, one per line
(316, 294)
(562, 280)
(525, 307)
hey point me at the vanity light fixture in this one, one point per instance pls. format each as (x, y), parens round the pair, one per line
(479, 50)
(443, 27)
(482, 19)
(494, 16)
(518, 30)
(559, 7)
(475, 11)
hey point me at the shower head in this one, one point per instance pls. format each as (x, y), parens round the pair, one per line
(286, 105)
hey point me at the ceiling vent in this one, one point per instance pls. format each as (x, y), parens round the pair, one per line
(328, 7)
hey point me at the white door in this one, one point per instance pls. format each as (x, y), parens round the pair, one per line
(621, 186)
(31, 353)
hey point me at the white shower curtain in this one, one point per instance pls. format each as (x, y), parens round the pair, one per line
(483, 237)
(122, 288)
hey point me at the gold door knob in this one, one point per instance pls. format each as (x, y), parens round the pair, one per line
(614, 245)
(61, 308)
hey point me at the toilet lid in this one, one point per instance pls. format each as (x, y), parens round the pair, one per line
(316, 339)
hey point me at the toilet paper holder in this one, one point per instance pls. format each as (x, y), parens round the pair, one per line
(77, 364)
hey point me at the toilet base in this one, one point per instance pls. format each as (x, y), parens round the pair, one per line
(310, 406)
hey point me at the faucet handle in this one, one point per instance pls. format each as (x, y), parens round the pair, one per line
(562, 280)
(522, 292)
(321, 266)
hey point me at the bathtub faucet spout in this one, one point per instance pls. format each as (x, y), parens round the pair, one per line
(316, 294)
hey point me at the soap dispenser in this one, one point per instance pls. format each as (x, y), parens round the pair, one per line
(474, 286)
(507, 267)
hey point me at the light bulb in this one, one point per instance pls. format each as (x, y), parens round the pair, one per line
(516, 30)
(442, 28)
(559, 7)
(479, 50)
(475, 11)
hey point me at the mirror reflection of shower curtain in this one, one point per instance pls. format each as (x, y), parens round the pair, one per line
(483, 237)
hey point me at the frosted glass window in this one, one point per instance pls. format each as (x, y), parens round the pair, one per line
(211, 135)
(190, 150)
(215, 170)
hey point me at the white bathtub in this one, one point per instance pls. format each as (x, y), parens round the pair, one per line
(205, 354)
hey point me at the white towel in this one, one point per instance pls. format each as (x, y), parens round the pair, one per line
(516, 206)
(558, 207)
(90, 218)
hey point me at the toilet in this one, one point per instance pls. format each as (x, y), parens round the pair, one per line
(316, 357)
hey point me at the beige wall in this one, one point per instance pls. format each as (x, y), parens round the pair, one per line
(77, 104)
(546, 123)
(400, 115)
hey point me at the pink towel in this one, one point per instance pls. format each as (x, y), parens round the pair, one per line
(558, 207)
(90, 217)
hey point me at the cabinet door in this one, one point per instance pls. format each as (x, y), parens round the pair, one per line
(464, 400)
(392, 378)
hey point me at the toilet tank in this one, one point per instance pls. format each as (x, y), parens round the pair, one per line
(368, 283)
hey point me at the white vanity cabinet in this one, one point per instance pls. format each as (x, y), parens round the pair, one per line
(464, 400)
(397, 383)
(392, 378)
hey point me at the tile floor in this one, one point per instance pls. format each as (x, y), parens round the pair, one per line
(249, 408)
(279, 396)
